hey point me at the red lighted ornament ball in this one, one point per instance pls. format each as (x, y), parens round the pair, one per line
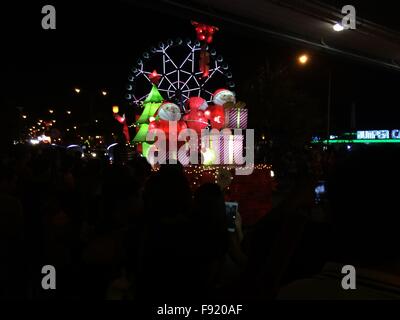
(197, 103)
(164, 125)
(204, 32)
(216, 115)
(196, 119)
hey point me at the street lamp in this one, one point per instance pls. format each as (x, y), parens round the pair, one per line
(51, 111)
(104, 93)
(68, 112)
(24, 116)
(338, 27)
(303, 59)
(115, 109)
(77, 90)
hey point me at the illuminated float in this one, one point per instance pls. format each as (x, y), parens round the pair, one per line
(186, 83)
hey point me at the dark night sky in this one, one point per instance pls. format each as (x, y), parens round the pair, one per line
(94, 46)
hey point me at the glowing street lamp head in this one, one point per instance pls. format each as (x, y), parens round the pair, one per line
(338, 27)
(303, 59)
(68, 112)
(104, 93)
(51, 111)
(77, 90)
(24, 116)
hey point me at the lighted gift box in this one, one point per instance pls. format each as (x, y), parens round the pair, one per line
(236, 118)
(227, 149)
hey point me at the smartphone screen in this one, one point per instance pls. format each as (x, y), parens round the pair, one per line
(231, 209)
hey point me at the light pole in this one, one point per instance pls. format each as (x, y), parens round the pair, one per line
(329, 106)
(303, 60)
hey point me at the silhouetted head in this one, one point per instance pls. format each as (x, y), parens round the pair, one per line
(364, 200)
(210, 219)
(167, 193)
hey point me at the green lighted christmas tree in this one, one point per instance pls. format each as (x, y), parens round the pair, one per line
(150, 105)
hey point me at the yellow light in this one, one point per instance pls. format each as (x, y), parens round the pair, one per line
(115, 109)
(104, 93)
(51, 111)
(209, 157)
(303, 59)
(54, 121)
(24, 116)
(77, 90)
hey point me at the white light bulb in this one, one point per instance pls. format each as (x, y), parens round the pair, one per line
(338, 27)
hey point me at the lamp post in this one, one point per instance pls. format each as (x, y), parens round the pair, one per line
(329, 106)
(303, 59)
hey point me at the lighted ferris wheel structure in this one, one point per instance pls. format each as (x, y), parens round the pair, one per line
(174, 67)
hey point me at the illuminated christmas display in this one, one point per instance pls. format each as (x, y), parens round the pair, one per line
(188, 83)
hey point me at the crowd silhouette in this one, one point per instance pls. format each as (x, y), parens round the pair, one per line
(123, 231)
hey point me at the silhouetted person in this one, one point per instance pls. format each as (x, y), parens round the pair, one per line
(364, 207)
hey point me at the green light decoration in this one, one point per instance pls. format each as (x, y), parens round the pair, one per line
(142, 133)
(358, 141)
(145, 148)
(150, 105)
